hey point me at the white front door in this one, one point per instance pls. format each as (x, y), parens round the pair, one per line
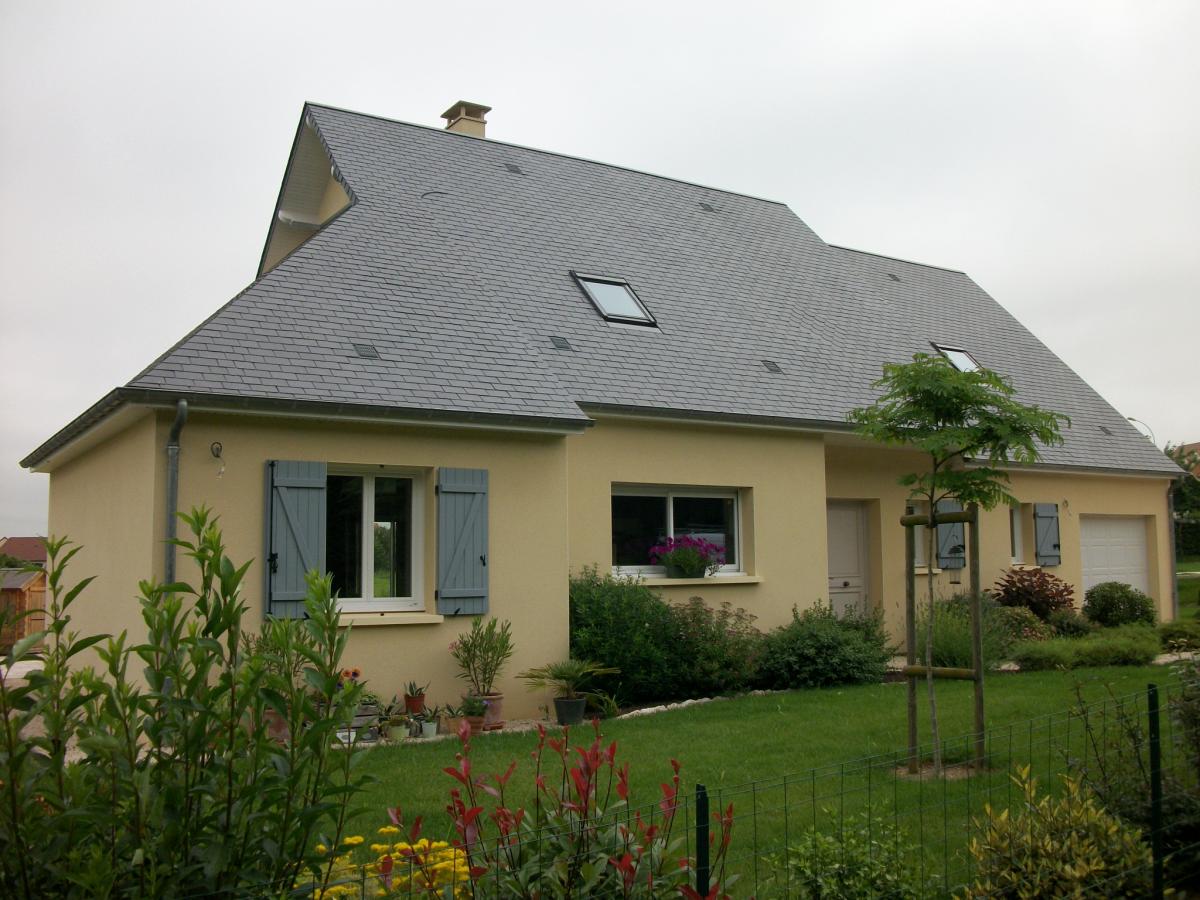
(1114, 549)
(847, 534)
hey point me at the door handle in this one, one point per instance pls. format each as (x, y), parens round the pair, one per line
(845, 584)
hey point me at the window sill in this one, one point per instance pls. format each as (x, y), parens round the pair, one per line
(924, 570)
(360, 619)
(715, 579)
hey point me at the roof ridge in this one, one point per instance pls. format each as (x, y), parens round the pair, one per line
(595, 162)
(910, 262)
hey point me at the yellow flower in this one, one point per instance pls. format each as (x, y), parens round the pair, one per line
(321, 848)
(381, 848)
(353, 840)
(389, 829)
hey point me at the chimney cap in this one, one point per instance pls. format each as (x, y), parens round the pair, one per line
(465, 109)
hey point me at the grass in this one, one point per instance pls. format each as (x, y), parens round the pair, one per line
(728, 744)
(1189, 598)
(1187, 564)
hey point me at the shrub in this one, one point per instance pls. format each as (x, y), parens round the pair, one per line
(180, 784)
(1180, 635)
(1131, 645)
(1069, 624)
(664, 652)
(869, 860)
(543, 849)
(952, 638)
(1067, 846)
(818, 648)
(1038, 591)
(1112, 603)
(1020, 624)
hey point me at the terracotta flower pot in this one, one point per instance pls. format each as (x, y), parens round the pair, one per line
(493, 717)
(414, 705)
(476, 723)
(277, 726)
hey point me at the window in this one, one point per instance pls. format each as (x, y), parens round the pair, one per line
(920, 547)
(643, 517)
(380, 571)
(1016, 539)
(614, 299)
(959, 358)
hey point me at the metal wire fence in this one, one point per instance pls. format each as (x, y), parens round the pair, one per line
(879, 823)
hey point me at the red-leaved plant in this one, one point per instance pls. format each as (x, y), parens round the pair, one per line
(581, 838)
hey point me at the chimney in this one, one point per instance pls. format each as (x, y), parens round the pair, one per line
(466, 118)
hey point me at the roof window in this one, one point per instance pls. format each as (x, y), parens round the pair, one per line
(614, 299)
(958, 357)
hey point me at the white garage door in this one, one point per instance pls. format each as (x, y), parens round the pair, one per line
(1114, 549)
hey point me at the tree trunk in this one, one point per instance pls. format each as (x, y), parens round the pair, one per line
(930, 559)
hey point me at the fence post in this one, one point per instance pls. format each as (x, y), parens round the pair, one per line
(1156, 847)
(702, 873)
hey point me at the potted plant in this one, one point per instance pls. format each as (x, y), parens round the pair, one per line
(688, 556)
(450, 718)
(429, 723)
(566, 679)
(473, 710)
(414, 697)
(481, 653)
(391, 719)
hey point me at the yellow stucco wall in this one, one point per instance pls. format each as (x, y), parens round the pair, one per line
(105, 501)
(527, 517)
(780, 476)
(854, 473)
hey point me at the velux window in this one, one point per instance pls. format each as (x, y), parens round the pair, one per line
(645, 516)
(959, 358)
(614, 299)
(369, 540)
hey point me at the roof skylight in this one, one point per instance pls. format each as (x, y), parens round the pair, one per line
(614, 299)
(959, 358)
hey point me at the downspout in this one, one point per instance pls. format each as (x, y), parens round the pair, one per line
(181, 411)
(1173, 530)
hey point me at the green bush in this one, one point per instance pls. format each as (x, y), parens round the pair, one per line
(665, 652)
(870, 860)
(1182, 634)
(1036, 590)
(952, 639)
(1020, 624)
(1130, 645)
(180, 786)
(1112, 603)
(1067, 846)
(1069, 624)
(818, 648)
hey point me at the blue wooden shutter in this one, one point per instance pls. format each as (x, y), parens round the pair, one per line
(462, 542)
(951, 538)
(1045, 531)
(295, 533)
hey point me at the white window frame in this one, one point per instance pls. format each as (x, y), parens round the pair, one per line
(919, 508)
(634, 490)
(1016, 534)
(946, 350)
(371, 603)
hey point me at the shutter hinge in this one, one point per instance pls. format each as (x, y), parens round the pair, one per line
(437, 489)
(483, 558)
(435, 595)
(273, 562)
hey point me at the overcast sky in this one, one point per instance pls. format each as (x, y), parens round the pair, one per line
(1050, 150)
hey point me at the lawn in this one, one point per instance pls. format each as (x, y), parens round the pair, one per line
(728, 744)
(1187, 564)
(1189, 598)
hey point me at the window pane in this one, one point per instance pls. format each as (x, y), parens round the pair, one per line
(393, 537)
(638, 523)
(343, 534)
(960, 360)
(615, 300)
(711, 518)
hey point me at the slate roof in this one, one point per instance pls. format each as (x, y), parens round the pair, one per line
(457, 269)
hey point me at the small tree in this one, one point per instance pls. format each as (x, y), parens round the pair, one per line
(1185, 492)
(968, 425)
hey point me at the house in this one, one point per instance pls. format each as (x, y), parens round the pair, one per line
(468, 368)
(27, 549)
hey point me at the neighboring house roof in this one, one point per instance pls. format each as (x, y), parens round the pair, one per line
(30, 549)
(454, 262)
(16, 579)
